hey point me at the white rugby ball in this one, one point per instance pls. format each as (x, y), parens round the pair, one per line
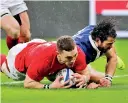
(67, 74)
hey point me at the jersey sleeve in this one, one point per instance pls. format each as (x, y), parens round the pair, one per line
(38, 69)
(80, 63)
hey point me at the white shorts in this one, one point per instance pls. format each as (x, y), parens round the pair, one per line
(12, 7)
(10, 59)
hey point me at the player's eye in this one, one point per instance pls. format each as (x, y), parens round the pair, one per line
(69, 57)
(109, 44)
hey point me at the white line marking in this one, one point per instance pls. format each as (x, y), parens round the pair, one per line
(119, 76)
(15, 82)
(18, 82)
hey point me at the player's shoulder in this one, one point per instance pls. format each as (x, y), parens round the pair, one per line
(86, 28)
(84, 32)
(80, 52)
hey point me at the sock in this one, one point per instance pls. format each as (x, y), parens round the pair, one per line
(11, 42)
(2, 59)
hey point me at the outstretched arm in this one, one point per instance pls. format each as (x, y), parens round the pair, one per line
(110, 67)
(111, 61)
(30, 83)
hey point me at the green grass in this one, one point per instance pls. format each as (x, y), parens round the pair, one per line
(15, 93)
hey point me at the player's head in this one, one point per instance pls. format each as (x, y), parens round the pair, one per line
(67, 50)
(104, 34)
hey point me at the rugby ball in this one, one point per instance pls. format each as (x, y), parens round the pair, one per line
(67, 74)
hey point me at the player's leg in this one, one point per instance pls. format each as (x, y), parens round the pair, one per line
(11, 27)
(9, 24)
(20, 14)
(25, 34)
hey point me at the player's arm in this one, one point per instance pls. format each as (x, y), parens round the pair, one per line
(34, 74)
(30, 83)
(110, 68)
(111, 61)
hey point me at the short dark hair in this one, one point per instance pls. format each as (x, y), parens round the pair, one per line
(65, 43)
(104, 29)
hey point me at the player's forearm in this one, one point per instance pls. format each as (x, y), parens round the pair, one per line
(111, 66)
(87, 76)
(33, 84)
(85, 73)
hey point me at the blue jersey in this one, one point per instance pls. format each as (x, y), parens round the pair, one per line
(84, 40)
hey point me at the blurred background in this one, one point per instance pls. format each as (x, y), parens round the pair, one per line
(55, 18)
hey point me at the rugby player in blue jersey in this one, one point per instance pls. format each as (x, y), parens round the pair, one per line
(97, 41)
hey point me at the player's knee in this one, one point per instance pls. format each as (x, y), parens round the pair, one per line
(14, 32)
(26, 35)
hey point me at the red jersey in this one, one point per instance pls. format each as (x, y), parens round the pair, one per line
(38, 60)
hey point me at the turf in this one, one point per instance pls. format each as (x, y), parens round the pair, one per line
(15, 93)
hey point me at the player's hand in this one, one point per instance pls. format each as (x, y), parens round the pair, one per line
(58, 84)
(93, 86)
(80, 80)
(105, 82)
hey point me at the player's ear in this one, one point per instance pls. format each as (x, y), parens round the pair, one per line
(57, 52)
(98, 41)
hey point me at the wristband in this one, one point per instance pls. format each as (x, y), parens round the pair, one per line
(46, 86)
(109, 77)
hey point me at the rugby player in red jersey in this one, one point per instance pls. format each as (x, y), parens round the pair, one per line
(34, 60)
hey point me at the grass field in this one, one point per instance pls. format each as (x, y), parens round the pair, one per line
(12, 92)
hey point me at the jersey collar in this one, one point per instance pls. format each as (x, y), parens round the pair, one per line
(94, 46)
